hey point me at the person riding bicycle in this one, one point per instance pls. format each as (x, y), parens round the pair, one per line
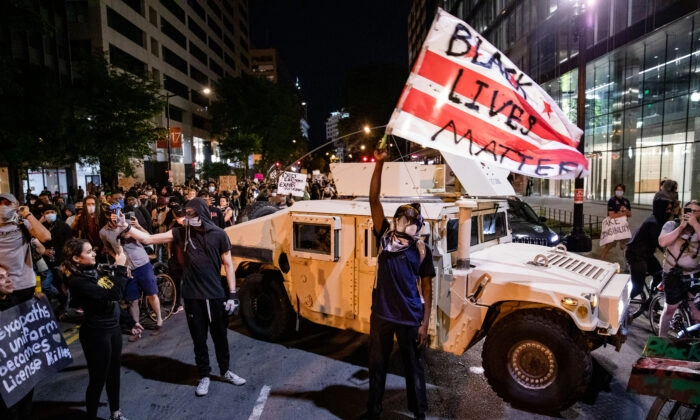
(681, 263)
(639, 253)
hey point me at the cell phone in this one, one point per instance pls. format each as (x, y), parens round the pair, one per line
(687, 210)
(130, 215)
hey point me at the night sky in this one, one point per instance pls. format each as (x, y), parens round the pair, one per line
(319, 41)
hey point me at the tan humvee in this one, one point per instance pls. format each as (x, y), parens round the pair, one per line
(541, 310)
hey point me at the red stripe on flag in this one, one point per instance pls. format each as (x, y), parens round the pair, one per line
(424, 106)
(444, 72)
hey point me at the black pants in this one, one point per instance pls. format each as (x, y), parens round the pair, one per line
(639, 268)
(381, 342)
(208, 316)
(103, 352)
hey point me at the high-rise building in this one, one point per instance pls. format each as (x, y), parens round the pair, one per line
(642, 74)
(263, 63)
(186, 44)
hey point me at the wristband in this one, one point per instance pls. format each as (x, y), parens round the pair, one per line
(233, 295)
(128, 228)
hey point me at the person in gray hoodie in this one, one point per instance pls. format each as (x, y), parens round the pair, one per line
(207, 302)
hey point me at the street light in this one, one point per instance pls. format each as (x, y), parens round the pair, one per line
(366, 129)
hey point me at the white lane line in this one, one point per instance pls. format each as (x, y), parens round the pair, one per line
(260, 403)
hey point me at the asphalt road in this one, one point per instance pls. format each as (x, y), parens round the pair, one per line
(319, 374)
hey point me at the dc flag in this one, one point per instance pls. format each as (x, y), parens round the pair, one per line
(465, 97)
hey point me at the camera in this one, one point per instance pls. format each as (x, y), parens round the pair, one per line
(129, 215)
(687, 210)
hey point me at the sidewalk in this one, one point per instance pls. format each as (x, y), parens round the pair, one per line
(639, 213)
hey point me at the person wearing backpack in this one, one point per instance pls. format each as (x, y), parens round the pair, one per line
(402, 286)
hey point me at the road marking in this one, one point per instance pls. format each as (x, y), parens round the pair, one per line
(70, 335)
(260, 403)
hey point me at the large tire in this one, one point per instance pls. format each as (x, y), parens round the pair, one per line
(536, 359)
(265, 307)
(255, 210)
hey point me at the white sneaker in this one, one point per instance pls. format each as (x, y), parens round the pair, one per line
(233, 378)
(203, 387)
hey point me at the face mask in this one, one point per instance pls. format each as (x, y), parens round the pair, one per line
(51, 217)
(8, 214)
(212, 189)
(402, 227)
(91, 209)
(134, 204)
(148, 193)
(78, 210)
(194, 221)
(618, 194)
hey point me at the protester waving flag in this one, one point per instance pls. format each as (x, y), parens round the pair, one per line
(467, 98)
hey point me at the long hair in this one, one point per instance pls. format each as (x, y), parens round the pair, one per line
(83, 221)
(72, 248)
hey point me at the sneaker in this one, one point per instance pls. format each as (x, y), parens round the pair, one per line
(203, 387)
(133, 338)
(119, 416)
(233, 378)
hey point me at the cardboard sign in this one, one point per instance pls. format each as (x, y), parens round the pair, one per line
(614, 230)
(31, 348)
(291, 183)
(228, 183)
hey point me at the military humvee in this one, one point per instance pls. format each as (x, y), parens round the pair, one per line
(541, 310)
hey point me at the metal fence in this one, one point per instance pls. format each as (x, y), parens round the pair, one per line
(562, 221)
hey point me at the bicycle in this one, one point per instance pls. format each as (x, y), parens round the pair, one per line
(682, 318)
(167, 295)
(640, 304)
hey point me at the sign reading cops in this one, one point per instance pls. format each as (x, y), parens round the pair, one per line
(31, 348)
(291, 183)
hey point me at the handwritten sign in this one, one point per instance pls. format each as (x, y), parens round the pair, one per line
(614, 230)
(291, 183)
(31, 348)
(466, 97)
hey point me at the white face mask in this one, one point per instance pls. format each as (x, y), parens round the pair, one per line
(149, 193)
(212, 189)
(91, 209)
(618, 194)
(8, 214)
(194, 221)
(51, 217)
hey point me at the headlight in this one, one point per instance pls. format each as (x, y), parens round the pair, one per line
(555, 237)
(569, 303)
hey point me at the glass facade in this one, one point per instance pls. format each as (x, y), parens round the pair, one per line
(642, 83)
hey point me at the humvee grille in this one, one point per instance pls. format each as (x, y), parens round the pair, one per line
(575, 265)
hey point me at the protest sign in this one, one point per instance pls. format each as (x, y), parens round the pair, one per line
(228, 183)
(465, 97)
(291, 183)
(31, 348)
(614, 230)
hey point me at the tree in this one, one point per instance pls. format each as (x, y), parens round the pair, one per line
(254, 115)
(213, 170)
(114, 113)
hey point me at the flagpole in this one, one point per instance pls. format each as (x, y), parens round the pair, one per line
(577, 240)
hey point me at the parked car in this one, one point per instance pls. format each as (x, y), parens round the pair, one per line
(527, 227)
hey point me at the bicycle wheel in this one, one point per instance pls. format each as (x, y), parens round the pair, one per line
(638, 304)
(167, 296)
(663, 408)
(656, 306)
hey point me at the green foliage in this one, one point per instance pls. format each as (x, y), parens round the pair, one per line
(213, 170)
(113, 114)
(254, 115)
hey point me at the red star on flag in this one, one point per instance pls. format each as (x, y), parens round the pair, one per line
(547, 109)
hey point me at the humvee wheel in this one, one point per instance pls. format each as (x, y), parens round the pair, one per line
(535, 359)
(265, 307)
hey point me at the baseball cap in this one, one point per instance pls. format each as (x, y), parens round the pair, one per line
(9, 197)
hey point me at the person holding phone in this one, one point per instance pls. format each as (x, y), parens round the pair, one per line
(99, 293)
(681, 264)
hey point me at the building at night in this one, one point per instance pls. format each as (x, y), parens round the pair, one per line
(642, 74)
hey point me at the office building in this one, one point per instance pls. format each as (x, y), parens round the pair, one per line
(642, 94)
(186, 44)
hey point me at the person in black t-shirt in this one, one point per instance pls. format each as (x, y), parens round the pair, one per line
(207, 303)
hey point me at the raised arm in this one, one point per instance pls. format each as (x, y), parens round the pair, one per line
(36, 229)
(375, 187)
